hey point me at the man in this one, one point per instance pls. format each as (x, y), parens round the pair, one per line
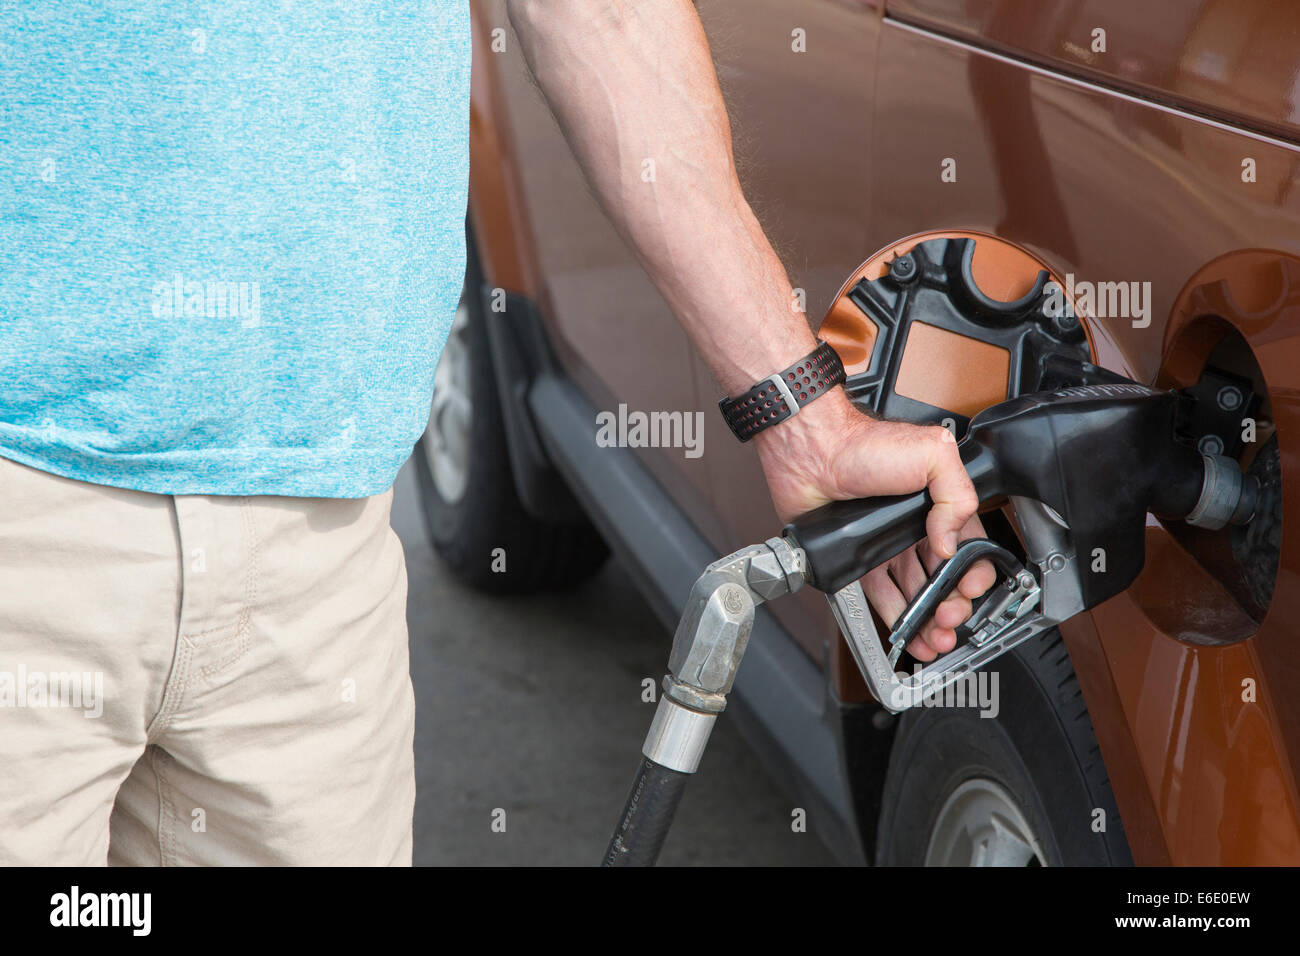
(233, 246)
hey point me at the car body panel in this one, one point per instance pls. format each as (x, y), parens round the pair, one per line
(1231, 59)
(503, 231)
(1125, 190)
(1130, 172)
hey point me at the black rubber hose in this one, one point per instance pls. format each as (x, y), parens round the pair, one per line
(651, 804)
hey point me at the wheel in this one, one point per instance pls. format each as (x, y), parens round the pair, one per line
(475, 519)
(1021, 788)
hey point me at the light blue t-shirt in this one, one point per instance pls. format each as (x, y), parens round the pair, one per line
(231, 237)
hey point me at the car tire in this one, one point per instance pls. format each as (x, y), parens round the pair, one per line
(475, 518)
(1022, 788)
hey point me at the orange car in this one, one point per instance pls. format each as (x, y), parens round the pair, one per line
(1137, 152)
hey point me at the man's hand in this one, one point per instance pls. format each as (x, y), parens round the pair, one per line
(831, 451)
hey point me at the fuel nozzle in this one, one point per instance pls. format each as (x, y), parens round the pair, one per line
(1083, 464)
(1228, 497)
(1099, 457)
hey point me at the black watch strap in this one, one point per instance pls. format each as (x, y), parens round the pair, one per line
(780, 396)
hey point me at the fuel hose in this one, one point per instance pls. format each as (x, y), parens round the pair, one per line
(643, 827)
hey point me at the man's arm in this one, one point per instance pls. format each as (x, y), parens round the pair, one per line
(632, 82)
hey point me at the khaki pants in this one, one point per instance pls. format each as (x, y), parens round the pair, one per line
(201, 679)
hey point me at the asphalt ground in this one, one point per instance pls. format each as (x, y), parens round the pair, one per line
(529, 723)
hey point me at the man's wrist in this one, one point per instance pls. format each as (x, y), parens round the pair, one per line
(782, 395)
(817, 424)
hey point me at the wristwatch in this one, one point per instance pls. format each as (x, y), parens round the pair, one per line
(780, 396)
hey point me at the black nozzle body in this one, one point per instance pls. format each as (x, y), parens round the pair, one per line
(1101, 456)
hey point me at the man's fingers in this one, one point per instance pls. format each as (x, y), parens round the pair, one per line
(900, 459)
(981, 576)
(914, 567)
(938, 635)
(955, 502)
(940, 632)
(883, 595)
(920, 648)
(935, 640)
(889, 603)
(977, 580)
(952, 612)
(907, 571)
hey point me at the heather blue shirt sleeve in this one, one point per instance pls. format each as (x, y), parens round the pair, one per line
(231, 238)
